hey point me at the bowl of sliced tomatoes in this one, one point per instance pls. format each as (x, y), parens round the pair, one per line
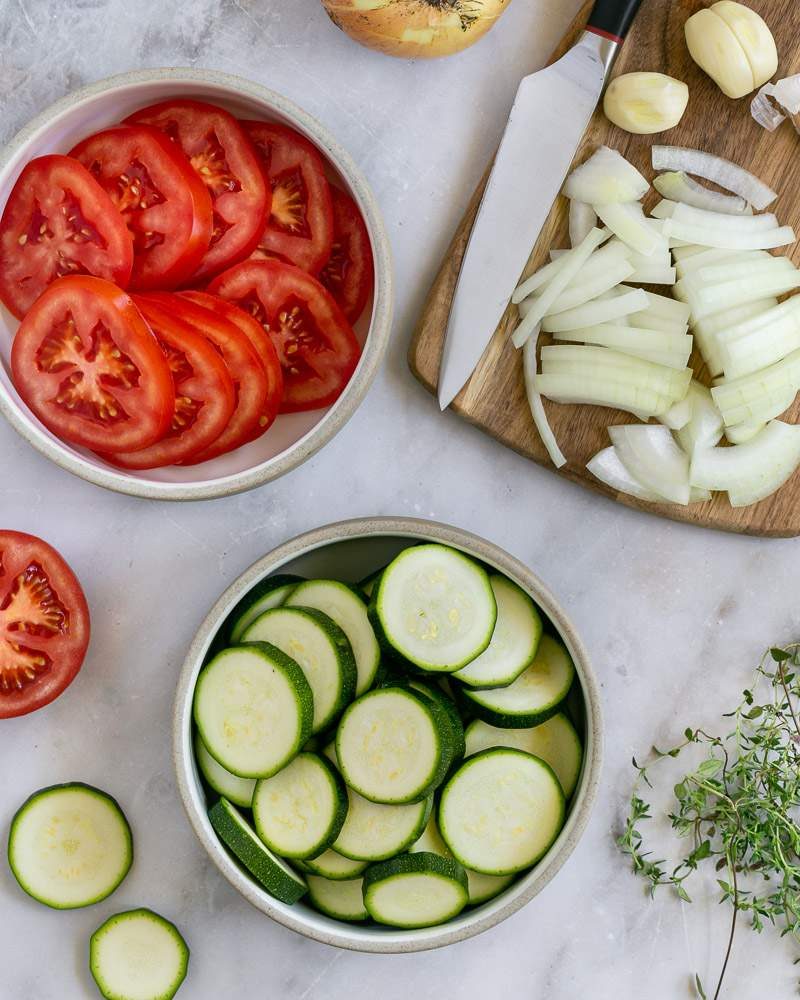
(195, 284)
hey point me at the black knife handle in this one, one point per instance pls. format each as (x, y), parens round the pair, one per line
(613, 18)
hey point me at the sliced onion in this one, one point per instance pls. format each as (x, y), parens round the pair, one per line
(628, 222)
(608, 468)
(761, 410)
(750, 471)
(678, 186)
(599, 262)
(667, 308)
(744, 432)
(652, 456)
(787, 94)
(605, 363)
(717, 170)
(760, 386)
(688, 251)
(713, 220)
(743, 270)
(705, 428)
(539, 279)
(601, 391)
(745, 325)
(573, 262)
(578, 294)
(582, 220)
(714, 256)
(595, 311)
(765, 239)
(537, 406)
(712, 299)
(679, 414)
(606, 178)
(672, 350)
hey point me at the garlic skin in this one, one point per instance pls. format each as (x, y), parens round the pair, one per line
(733, 45)
(645, 103)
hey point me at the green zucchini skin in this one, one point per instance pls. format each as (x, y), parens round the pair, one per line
(119, 919)
(355, 853)
(346, 869)
(341, 900)
(242, 841)
(54, 790)
(422, 863)
(452, 716)
(234, 625)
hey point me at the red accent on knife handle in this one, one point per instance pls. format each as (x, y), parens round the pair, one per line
(613, 18)
(606, 34)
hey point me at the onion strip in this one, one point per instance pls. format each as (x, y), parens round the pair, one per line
(713, 220)
(715, 169)
(595, 391)
(750, 471)
(579, 293)
(678, 186)
(767, 239)
(537, 406)
(582, 220)
(651, 455)
(628, 222)
(609, 469)
(593, 312)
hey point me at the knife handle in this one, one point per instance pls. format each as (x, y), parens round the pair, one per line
(613, 18)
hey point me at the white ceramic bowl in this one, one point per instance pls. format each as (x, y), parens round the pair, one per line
(351, 550)
(294, 437)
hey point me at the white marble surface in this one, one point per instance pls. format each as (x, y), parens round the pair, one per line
(674, 616)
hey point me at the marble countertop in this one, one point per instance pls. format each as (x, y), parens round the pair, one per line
(675, 617)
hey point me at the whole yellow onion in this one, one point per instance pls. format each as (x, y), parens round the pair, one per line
(416, 28)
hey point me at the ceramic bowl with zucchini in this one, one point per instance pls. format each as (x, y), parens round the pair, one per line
(387, 735)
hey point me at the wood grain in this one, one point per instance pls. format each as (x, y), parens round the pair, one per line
(494, 398)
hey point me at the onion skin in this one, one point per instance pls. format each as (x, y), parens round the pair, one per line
(416, 29)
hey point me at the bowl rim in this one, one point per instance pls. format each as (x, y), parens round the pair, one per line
(376, 344)
(473, 922)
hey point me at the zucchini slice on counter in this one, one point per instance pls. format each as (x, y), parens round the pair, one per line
(138, 955)
(69, 846)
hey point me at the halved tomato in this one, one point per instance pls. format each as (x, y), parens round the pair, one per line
(164, 203)
(44, 624)
(316, 345)
(226, 162)
(58, 221)
(300, 225)
(87, 364)
(244, 367)
(260, 341)
(204, 393)
(349, 274)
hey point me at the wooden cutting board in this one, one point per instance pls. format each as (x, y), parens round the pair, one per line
(494, 398)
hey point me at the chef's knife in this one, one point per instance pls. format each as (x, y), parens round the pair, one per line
(548, 119)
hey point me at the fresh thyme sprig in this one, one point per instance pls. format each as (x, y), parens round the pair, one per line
(738, 807)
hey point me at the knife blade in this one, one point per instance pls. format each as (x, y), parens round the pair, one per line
(548, 119)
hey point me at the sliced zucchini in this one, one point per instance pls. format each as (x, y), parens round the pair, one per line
(253, 708)
(534, 696)
(349, 611)
(267, 594)
(368, 584)
(514, 642)
(322, 650)
(340, 900)
(69, 846)
(237, 790)
(480, 887)
(501, 811)
(435, 608)
(415, 890)
(138, 955)
(280, 881)
(393, 746)
(555, 741)
(335, 867)
(374, 832)
(447, 704)
(299, 811)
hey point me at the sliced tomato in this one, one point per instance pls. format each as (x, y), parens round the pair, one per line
(349, 274)
(244, 367)
(316, 345)
(87, 364)
(165, 205)
(300, 225)
(204, 394)
(44, 624)
(263, 346)
(57, 221)
(226, 162)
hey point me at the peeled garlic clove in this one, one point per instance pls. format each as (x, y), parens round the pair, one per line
(717, 50)
(753, 35)
(645, 103)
